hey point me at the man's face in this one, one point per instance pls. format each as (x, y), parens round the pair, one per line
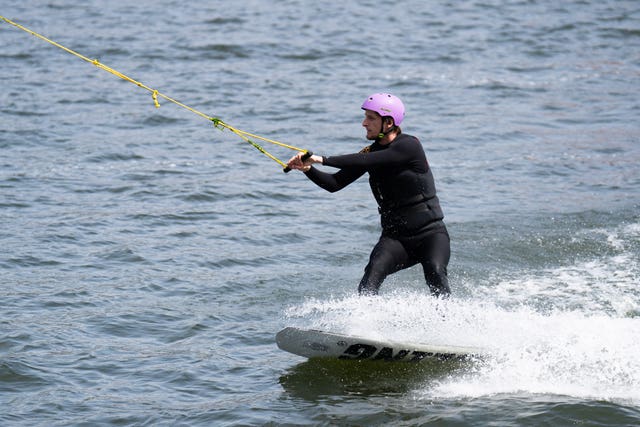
(372, 123)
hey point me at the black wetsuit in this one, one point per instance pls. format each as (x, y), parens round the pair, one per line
(412, 228)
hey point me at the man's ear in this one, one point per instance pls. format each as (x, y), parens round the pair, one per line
(388, 121)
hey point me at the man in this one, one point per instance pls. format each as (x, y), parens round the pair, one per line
(413, 230)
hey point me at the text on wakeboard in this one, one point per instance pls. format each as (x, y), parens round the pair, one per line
(368, 351)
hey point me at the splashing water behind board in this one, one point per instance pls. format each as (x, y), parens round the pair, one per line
(564, 352)
(570, 330)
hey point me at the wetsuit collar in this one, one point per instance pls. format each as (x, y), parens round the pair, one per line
(392, 133)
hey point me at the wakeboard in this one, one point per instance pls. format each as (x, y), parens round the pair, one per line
(314, 344)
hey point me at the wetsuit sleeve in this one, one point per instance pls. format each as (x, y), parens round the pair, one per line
(333, 182)
(405, 151)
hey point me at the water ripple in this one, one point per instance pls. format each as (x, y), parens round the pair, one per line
(147, 258)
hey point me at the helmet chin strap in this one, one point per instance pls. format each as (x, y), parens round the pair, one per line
(382, 133)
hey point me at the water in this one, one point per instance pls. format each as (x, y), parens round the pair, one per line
(148, 259)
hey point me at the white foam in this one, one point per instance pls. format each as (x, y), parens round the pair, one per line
(398, 316)
(604, 285)
(561, 352)
(568, 330)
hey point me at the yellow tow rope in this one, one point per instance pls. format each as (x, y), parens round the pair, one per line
(155, 94)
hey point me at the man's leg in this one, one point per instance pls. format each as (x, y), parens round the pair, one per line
(387, 257)
(434, 254)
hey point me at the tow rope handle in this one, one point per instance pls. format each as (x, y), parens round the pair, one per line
(304, 157)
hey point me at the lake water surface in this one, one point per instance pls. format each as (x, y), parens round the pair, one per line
(148, 259)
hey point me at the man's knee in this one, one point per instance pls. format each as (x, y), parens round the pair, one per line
(371, 281)
(435, 275)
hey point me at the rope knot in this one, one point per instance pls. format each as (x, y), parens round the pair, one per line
(217, 123)
(154, 95)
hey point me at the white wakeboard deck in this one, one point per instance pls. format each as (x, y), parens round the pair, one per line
(312, 344)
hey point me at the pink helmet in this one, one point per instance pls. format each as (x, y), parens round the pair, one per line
(386, 105)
